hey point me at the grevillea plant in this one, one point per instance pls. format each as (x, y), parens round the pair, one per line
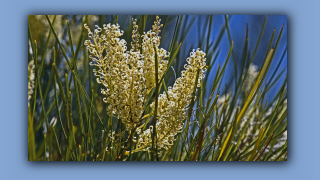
(129, 76)
(114, 93)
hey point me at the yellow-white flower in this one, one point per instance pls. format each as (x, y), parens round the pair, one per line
(31, 76)
(172, 113)
(127, 76)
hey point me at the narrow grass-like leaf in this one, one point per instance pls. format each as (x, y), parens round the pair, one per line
(190, 109)
(233, 56)
(264, 148)
(58, 41)
(269, 86)
(43, 108)
(258, 42)
(198, 136)
(185, 33)
(164, 25)
(31, 138)
(48, 86)
(199, 145)
(36, 80)
(170, 61)
(84, 92)
(46, 47)
(79, 108)
(275, 71)
(282, 152)
(45, 147)
(174, 34)
(65, 105)
(256, 144)
(274, 113)
(226, 146)
(208, 36)
(247, 122)
(154, 134)
(256, 86)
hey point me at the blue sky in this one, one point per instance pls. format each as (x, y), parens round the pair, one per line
(237, 25)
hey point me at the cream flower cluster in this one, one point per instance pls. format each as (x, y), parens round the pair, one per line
(127, 76)
(250, 80)
(151, 40)
(31, 76)
(172, 113)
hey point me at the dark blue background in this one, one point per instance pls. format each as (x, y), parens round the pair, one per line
(237, 25)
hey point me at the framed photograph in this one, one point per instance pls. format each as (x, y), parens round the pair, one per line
(157, 88)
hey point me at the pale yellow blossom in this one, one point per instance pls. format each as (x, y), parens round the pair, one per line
(173, 112)
(31, 77)
(128, 77)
